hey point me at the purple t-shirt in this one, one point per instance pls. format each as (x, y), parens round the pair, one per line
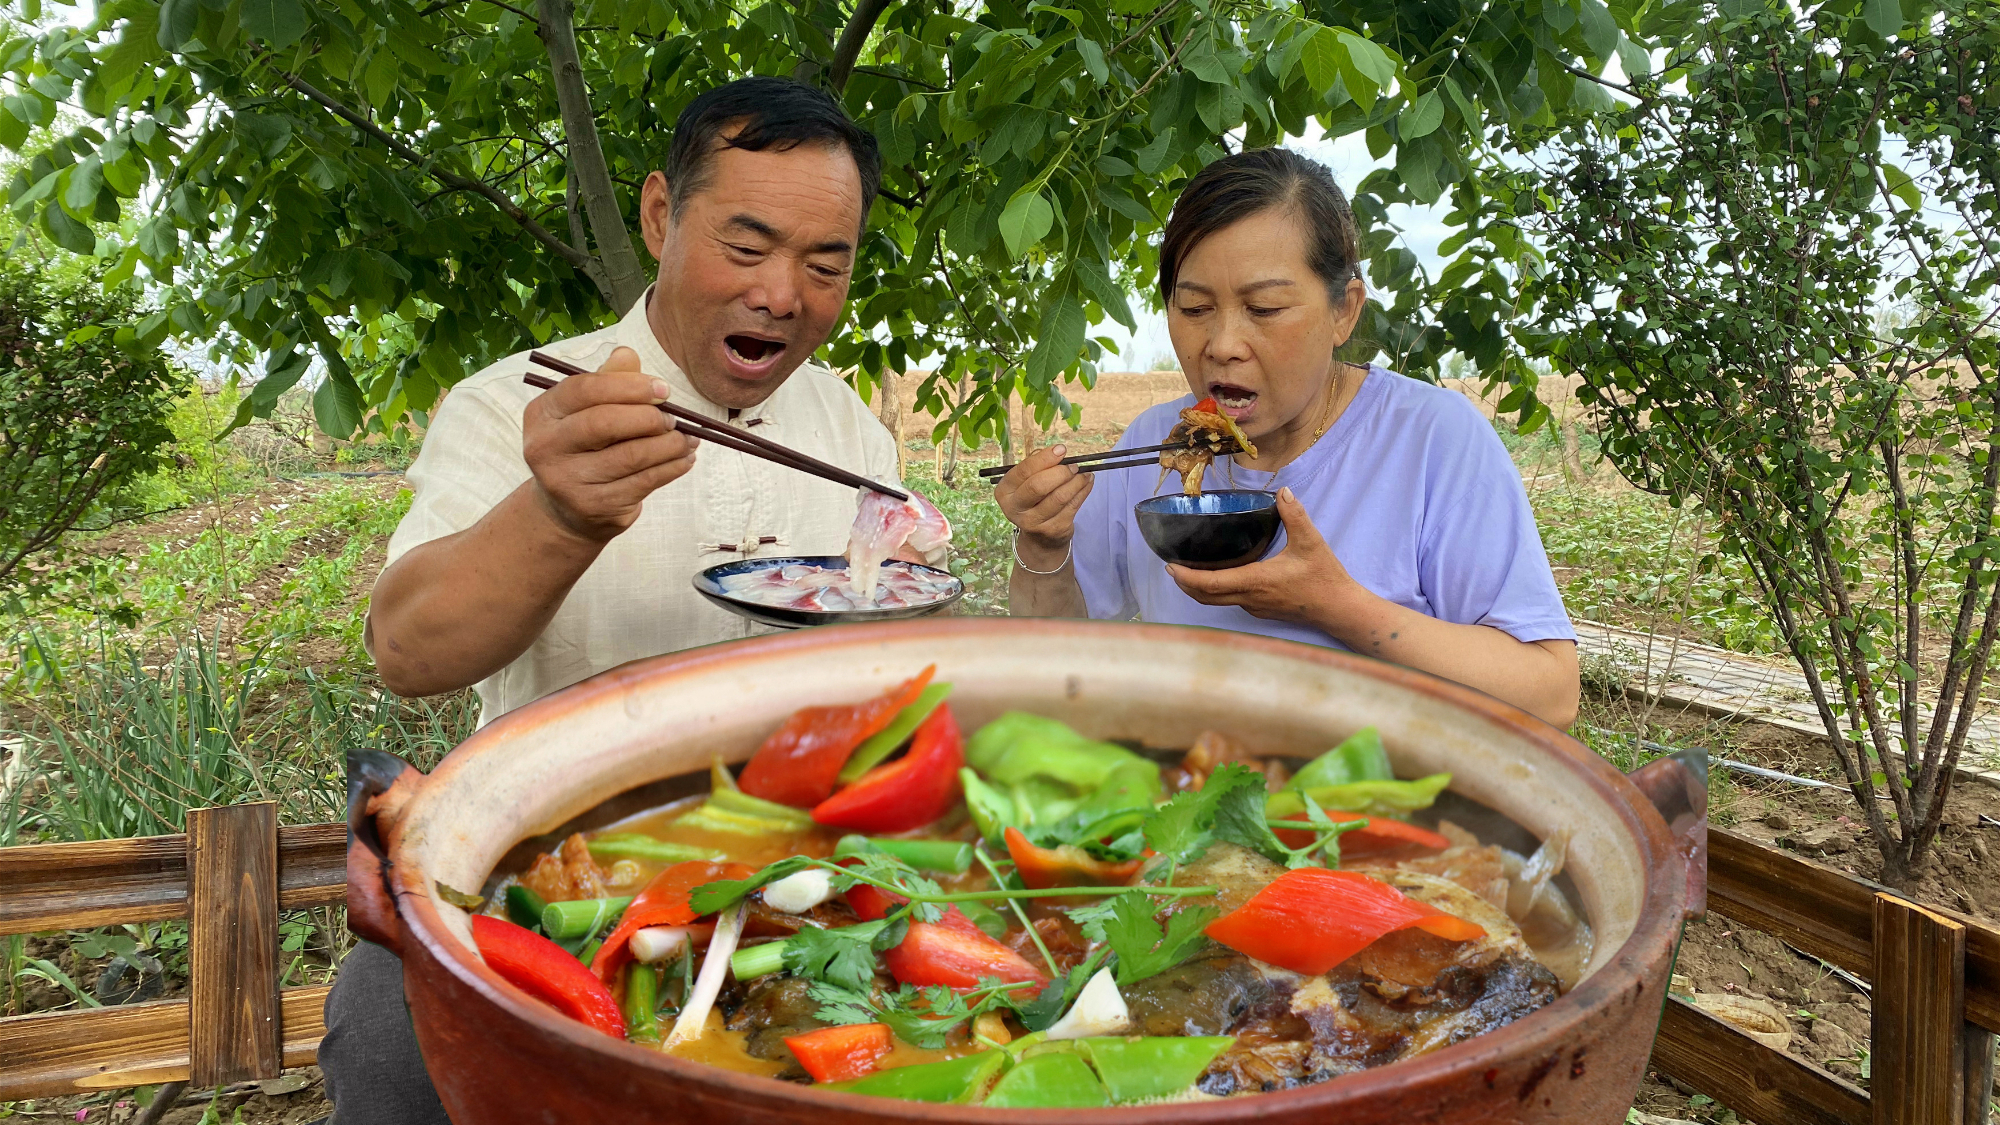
(1410, 487)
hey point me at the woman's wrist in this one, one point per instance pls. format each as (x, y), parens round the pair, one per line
(1346, 611)
(1040, 552)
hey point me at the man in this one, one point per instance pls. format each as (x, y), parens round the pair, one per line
(552, 534)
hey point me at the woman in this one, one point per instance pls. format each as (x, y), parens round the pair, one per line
(1407, 534)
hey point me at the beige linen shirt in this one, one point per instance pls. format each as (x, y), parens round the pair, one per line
(637, 600)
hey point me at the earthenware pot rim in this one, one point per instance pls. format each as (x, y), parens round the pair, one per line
(1539, 1034)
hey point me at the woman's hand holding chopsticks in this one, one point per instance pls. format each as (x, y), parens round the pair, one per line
(1040, 497)
(598, 446)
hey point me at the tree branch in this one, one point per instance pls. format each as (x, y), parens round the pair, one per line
(571, 254)
(853, 37)
(586, 159)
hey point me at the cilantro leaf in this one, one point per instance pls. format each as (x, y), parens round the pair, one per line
(1093, 917)
(1143, 949)
(713, 898)
(835, 956)
(886, 868)
(1180, 829)
(1239, 811)
(840, 1005)
(923, 1018)
(1043, 1011)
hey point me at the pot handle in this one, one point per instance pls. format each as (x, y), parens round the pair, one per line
(1677, 785)
(371, 909)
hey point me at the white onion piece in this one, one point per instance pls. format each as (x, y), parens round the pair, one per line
(800, 891)
(693, 1019)
(1099, 1010)
(657, 943)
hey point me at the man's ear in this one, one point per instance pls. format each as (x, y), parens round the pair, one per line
(656, 212)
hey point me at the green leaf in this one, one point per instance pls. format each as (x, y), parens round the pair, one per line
(1180, 830)
(1885, 17)
(1600, 31)
(1369, 59)
(1027, 219)
(1154, 154)
(1143, 949)
(68, 233)
(1239, 811)
(13, 130)
(1421, 117)
(1322, 58)
(1062, 332)
(1093, 60)
(177, 19)
(279, 23)
(337, 404)
(1901, 186)
(1633, 59)
(713, 898)
(831, 955)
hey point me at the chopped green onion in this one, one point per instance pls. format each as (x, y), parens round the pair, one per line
(524, 907)
(884, 742)
(743, 804)
(578, 917)
(642, 999)
(714, 818)
(633, 845)
(953, 856)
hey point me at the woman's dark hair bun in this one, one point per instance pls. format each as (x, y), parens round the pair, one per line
(1241, 185)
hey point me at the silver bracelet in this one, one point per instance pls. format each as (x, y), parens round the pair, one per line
(1031, 570)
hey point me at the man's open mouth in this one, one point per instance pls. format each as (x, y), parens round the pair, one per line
(753, 351)
(1235, 401)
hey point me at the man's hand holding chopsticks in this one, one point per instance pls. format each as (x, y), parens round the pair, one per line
(598, 447)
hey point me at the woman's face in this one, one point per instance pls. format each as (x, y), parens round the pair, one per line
(1253, 326)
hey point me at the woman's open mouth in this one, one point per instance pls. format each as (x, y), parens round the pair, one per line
(752, 356)
(1235, 401)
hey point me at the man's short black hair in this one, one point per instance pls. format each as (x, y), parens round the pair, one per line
(776, 113)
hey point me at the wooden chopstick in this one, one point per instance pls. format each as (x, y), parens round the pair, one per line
(994, 471)
(722, 433)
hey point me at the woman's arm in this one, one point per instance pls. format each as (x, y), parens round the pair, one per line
(1306, 583)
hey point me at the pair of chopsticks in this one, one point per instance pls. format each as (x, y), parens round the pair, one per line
(724, 434)
(1098, 462)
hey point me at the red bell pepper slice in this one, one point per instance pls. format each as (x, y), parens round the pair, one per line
(1382, 834)
(1208, 406)
(905, 794)
(956, 954)
(544, 970)
(1311, 919)
(664, 902)
(799, 764)
(841, 1054)
(1065, 866)
(872, 904)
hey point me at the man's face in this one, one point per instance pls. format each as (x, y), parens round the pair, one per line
(754, 272)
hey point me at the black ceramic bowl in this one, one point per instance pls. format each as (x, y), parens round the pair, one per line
(1212, 531)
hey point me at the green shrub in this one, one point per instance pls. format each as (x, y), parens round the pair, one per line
(83, 408)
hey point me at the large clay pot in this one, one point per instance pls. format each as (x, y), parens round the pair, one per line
(500, 1058)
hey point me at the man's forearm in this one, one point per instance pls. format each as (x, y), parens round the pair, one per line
(455, 610)
(1538, 677)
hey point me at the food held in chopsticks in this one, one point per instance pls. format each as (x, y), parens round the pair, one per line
(1203, 433)
(1032, 918)
(883, 526)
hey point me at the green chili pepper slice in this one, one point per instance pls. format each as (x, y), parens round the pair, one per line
(1153, 1067)
(956, 1081)
(1056, 1080)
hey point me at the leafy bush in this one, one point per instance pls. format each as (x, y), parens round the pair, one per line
(83, 407)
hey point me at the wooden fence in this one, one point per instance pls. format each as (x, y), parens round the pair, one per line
(229, 876)
(1936, 998)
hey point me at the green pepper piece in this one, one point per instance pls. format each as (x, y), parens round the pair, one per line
(883, 743)
(1153, 1067)
(1370, 798)
(743, 804)
(992, 810)
(1041, 801)
(524, 907)
(951, 856)
(958, 1081)
(1017, 746)
(1058, 1080)
(1360, 758)
(633, 845)
(1130, 785)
